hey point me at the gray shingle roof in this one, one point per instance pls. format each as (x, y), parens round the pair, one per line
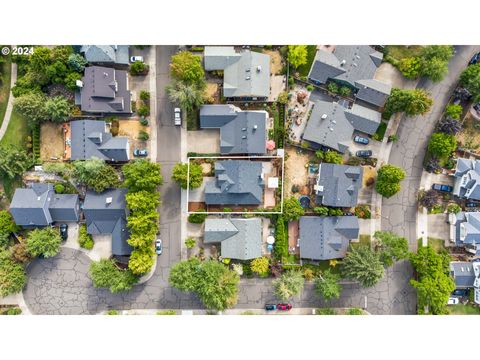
(245, 74)
(64, 207)
(467, 179)
(105, 213)
(89, 139)
(467, 228)
(326, 237)
(237, 182)
(354, 65)
(338, 185)
(106, 54)
(105, 90)
(463, 274)
(336, 130)
(240, 238)
(241, 132)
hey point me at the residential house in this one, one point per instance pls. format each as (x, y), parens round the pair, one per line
(106, 213)
(353, 66)
(326, 237)
(338, 185)
(236, 182)
(239, 238)
(89, 139)
(331, 126)
(241, 132)
(467, 275)
(106, 54)
(104, 90)
(246, 74)
(467, 179)
(465, 230)
(38, 205)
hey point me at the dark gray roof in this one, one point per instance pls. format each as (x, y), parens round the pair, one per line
(237, 182)
(467, 179)
(331, 125)
(240, 238)
(326, 237)
(106, 54)
(38, 205)
(467, 228)
(105, 90)
(462, 273)
(105, 213)
(89, 139)
(245, 74)
(354, 65)
(241, 132)
(338, 185)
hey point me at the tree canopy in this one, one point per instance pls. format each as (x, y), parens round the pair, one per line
(187, 67)
(7, 225)
(470, 80)
(58, 108)
(188, 96)
(32, 106)
(105, 274)
(297, 55)
(391, 247)
(95, 174)
(289, 284)
(12, 275)
(142, 201)
(142, 175)
(442, 144)
(364, 265)
(180, 175)
(260, 266)
(411, 101)
(292, 210)
(45, 242)
(327, 286)
(388, 180)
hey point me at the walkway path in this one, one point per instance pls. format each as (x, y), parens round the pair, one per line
(8, 112)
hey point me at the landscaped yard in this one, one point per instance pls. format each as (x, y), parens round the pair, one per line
(4, 87)
(464, 310)
(469, 137)
(399, 52)
(380, 133)
(305, 68)
(437, 244)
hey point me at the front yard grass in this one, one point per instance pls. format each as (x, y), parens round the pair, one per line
(193, 120)
(464, 310)
(4, 87)
(305, 68)
(436, 244)
(399, 52)
(17, 131)
(380, 133)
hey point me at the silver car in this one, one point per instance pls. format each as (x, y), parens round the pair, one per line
(158, 246)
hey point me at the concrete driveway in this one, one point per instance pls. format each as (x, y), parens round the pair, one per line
(206, 141)
(438, 227)
(373, 145)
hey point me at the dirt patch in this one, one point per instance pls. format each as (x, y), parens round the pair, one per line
(131, 129)
(212, 93)
(296, 170)
(206, 168)
(51, 141)
(369, 172)
(469, 137)
(276, 64)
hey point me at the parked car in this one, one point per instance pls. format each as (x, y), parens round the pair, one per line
(472, 204)
(64, 231)
(158, 246)
(460, 292)
(361, 140)
(177, 116)
(453, 301)
(475, 59)
(284, 307)
(140, 152)
(364, 153)
(136, 59)
(270, 307)
(442, 187)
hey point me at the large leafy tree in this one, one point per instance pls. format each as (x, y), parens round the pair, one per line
(188, 96)
(95, 174)
(411, 101)
(58, 108)
(470, 80)
(187, 68)
(142, 175)
(105, 274)
(7, 225)
(77, 62)
(442, 144)
(388, 180)
(289, 284)
(13, 161)
(364, 265)
(327, 286)
(215, 284)
(391, 247)
(141, 260)
(180, 171)
(297, 55)
(32, 106)
(12, 275)
(144, 223)
(45, 242)
(434, 284)
(260, 266)
(142, 201)
(434, 61)
(292, 210)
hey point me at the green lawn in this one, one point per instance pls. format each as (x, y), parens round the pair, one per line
(436, 244)
(380, 133)
(463, 310)
(4, 87)
(17, 131)
(305, 68)
(399, 52)
(363, 240)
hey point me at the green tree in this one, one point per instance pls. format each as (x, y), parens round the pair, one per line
(289, 284)
(180, 175)
(58, 109)
(184, 275)
(12, 275)
(77, 62)
(38, 64)
(144, 224)
(410, 67)
(196, 218)
(327, 286)
(390, 246)
(363, 265)
(45, 242)
(187, 68)
(332, 157)
(435, 69)
(13, 161)
(442, 52)
(142, 201)
(283, 97)
(260, 266)
(321, 210)
(105, 274)
(442, 144)
(141, 260)
(297, 55)
(138, 68)
(85, 240)
(71, 79)
(95, 174)
(454, 111)
(142, 175)
(190, 243)
(188, 96)
(292, 210)
(411, 101)
(32, 107)
(281, 239)
(388, 180)
(470, 80)
(7, 225)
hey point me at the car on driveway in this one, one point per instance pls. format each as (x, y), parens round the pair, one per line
(136, 59)
(177, 116)
(361, 140)
(472, 204)
(140, 152)
(453, 301)
(270, 307)
(64, 231)
(158, 246)
(475, 59)
(284, 307)
(364, 153)
(460, 292)
(442, 187)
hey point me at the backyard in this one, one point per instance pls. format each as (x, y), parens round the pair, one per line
(296, 170)
(305, 68)
(51, 141)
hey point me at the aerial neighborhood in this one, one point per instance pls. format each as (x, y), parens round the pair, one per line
(241, 179)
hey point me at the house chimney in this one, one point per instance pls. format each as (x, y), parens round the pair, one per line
(108, 200)
(343, 62)
(259, 68)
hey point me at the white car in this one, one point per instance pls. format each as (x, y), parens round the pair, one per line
(158, 246)
(177, 116)
(136, 58)
(453, 301)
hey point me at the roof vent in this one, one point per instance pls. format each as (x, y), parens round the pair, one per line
(357, 56)
(324, 116)
(247, 78)
(244, 136)
(105, 74)
(79, 83)
(343, 62)
(255, 127)
(331, 129)
(259, 68)
(355, 64)
(244, 129)
(108, 200)
(248, 70)
(334, 121)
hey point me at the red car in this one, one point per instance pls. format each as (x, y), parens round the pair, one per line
(284, 307)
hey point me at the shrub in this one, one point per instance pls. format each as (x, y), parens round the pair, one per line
(143, 110)
(112, 312)
(325, 311)
(354, 311)
(454, 111)
(138, 68)
(332, 87)
(12, 275)
(291, 81)
(454, 208)
(321, 210)
(20, 253)
(363, 211)
(144, 95)
(283, 97)
(197, 218)
(11, 311)
(260, 266)
(85, 240)
(190, 243)
(143, 121)
(308, 274)
(143, 135)
(114, 127)
(309, 87)
(281, 239)
(59, 188)
(45, 242)
(345, 91)
(442, 144)
(167, 312)
(292, 210)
